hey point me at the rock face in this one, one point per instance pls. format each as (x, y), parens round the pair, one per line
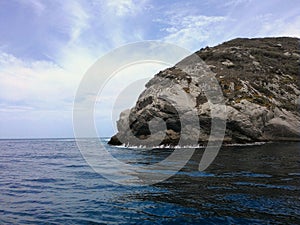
(259, 80)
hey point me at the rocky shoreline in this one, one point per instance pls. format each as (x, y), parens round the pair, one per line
(259, 81)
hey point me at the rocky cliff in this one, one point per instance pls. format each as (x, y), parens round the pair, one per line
(259, 81)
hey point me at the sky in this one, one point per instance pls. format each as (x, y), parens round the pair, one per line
(46, 46)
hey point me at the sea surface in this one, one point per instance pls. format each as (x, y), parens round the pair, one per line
(47, 181)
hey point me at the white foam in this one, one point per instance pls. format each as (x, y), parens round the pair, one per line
(186, 146)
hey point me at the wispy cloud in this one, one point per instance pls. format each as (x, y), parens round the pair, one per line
(235, 3)
(78, 18)
(38, 85)
(47, 46)
(46, 85)
(191, 31)
(37, 6)
(125, 7)
(271, 26)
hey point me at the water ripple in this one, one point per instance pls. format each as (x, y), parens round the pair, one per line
(48, 182)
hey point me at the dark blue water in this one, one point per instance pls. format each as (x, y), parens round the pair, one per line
(46, 181)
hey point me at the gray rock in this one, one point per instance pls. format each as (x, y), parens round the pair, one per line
(261, 97)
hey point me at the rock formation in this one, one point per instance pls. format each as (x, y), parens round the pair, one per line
(259, 80)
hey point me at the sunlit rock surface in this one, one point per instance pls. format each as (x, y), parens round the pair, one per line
(259, 80)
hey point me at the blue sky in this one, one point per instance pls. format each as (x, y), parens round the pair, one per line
(47, 46)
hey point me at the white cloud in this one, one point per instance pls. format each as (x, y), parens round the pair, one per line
(78, 17)
(36, 5)
(234, 3)
(189, 31)
(125, 7)
(47, 85)
(35, 85)
(79, 32)
(279, 26)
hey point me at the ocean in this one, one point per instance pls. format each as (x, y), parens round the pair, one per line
(47, 181)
